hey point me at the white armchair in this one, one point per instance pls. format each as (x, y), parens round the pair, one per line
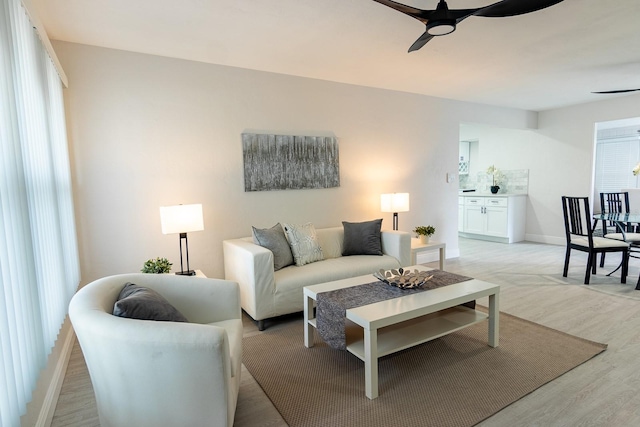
(156, 373)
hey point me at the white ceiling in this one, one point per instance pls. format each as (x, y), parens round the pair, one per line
(542, 60)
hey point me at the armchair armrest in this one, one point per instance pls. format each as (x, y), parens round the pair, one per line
(251, 266)
(201, 300)
(204, 300)
(398, 245)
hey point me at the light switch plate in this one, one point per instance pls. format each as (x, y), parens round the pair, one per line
(451, 177)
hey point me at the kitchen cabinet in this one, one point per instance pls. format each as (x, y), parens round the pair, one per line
(498, 218)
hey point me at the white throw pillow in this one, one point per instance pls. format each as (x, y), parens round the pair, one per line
(304, 243)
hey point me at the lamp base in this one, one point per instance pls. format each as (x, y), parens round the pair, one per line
(186, 273)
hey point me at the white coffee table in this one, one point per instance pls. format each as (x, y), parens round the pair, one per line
(396, 324)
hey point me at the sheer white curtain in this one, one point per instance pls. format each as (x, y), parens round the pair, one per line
(39, 269)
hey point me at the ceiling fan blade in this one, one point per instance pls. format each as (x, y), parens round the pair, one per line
(514, 7)
(617, 91)
(422, 40)
(413, 12)
(443, 20)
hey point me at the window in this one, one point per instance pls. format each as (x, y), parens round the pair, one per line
(617, 153)
(39, 269)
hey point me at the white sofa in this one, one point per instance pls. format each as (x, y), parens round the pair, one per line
(265, 293)
(161, 373)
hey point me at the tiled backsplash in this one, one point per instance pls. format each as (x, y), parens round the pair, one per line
(513, 182)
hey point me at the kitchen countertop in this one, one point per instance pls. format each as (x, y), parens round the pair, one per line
(483, 194)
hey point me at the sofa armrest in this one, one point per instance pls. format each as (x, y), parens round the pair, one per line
(398, 245)
(251, 266)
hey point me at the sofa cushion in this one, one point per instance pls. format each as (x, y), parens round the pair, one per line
(290, 281)
(274, 239)
(331, 241)
(362, 238)
(138, 302)
(304, 243)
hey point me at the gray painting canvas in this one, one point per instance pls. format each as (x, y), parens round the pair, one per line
(286, 162)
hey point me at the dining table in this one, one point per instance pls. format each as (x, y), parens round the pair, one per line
(625, 223)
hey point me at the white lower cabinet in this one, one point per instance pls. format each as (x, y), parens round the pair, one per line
(497, 218)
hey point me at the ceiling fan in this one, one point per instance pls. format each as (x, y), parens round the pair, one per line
(443, 20)
(616, 91)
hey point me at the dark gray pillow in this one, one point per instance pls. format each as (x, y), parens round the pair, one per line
(137, 302)
(274, 239)
(362, 238)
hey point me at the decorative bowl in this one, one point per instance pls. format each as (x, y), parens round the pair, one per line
(403, 279)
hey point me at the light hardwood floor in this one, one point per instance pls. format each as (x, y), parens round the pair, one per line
(601, 392)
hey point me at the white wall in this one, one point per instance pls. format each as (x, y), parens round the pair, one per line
(565, 155)
(148, 131)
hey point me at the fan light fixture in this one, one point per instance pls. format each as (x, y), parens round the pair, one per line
(441, 22)
(441, 28)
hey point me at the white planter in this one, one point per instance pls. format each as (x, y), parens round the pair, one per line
(423, 238)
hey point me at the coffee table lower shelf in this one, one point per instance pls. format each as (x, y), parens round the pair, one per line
(409, 333)
(389, 326)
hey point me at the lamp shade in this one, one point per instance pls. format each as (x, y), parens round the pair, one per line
(394, 202)
(181, 218)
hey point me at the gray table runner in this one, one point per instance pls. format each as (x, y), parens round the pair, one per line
(332, 306)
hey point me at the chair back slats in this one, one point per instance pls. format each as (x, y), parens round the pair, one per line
(614, 203)
(577, 217)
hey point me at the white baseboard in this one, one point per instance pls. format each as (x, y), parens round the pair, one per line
(53, 392)
(551, 240)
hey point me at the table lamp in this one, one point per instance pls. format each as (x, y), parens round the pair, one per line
(182, 219)
(394, 202)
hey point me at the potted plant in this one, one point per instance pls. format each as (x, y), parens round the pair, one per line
(424, 232)
(496, 178)
(157, 266)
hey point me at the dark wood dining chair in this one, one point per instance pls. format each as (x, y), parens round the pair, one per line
(579, 234)
(618, 203)
(613, 203)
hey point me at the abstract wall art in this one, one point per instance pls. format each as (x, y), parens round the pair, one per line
(288, 162)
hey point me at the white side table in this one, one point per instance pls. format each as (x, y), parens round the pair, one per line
(417, 247)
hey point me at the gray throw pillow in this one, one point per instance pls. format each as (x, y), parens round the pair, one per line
(362, 238)
(137, 302)
(274, 239)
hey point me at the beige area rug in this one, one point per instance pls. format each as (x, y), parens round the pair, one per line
(456, 380)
